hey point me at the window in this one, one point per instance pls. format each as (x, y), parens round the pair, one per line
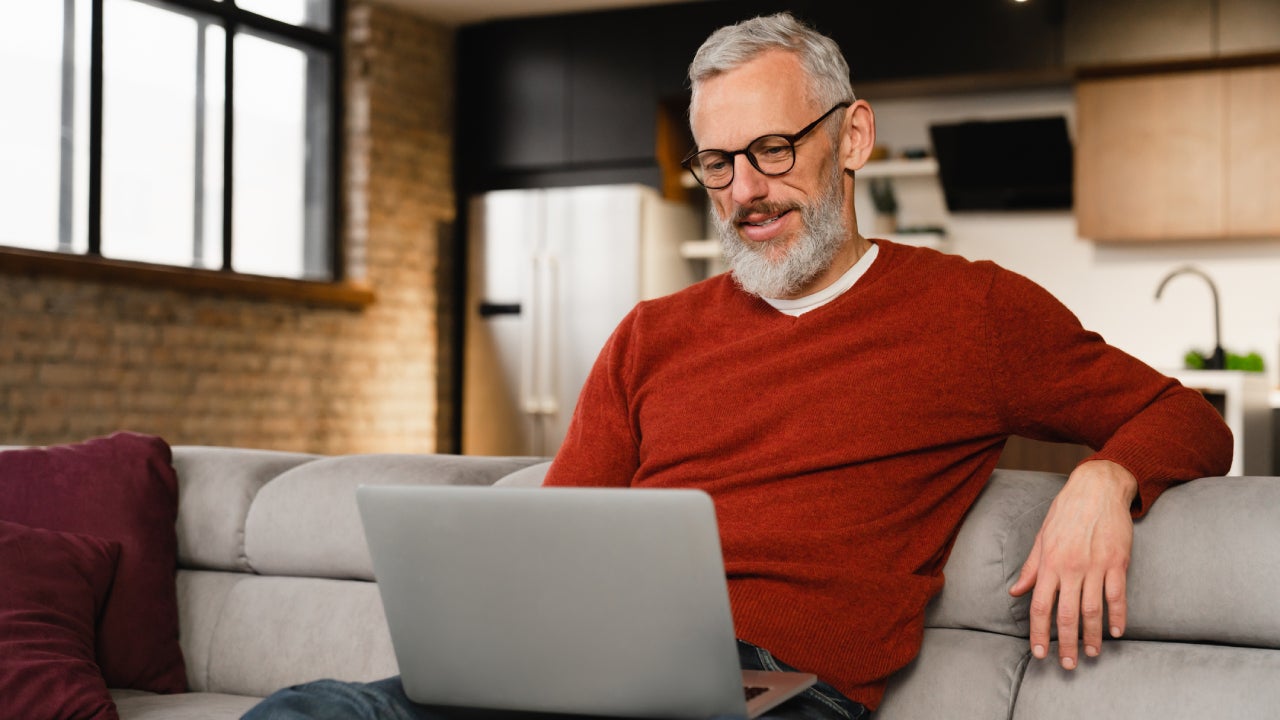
(192, 133)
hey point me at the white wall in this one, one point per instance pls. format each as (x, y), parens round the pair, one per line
(1111, 287)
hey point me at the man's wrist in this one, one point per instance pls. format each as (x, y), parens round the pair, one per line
(1116, 475)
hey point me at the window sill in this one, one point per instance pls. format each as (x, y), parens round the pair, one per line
(349, 295)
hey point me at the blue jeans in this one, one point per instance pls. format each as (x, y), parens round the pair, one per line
(385, 700)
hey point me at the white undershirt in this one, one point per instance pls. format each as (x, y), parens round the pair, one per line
(800, 306)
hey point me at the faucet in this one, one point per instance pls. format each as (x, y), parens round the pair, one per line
(1219, 359)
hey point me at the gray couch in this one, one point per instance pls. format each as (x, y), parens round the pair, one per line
(274, 588)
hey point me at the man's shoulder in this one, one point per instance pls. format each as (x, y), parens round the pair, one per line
(934, 268)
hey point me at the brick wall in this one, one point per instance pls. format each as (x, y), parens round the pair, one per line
(81, 358)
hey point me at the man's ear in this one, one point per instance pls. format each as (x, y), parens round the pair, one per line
(859, 135)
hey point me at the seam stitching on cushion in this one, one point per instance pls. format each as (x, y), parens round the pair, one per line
(215, 634)
(1019, 673)
(1004, 544)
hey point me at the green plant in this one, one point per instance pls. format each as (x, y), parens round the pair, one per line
(1252, 362)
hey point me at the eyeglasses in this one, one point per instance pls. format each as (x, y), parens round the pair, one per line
(770, 154)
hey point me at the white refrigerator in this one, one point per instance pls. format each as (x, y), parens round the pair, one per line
(551, 272)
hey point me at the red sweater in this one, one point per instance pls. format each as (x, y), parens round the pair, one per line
(843, 447)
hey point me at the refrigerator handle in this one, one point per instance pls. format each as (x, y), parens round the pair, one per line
(529, 348)
(550, 338)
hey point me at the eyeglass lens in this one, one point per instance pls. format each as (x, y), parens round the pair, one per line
(771, 155)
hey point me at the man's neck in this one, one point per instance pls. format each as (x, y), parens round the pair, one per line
(845, 258)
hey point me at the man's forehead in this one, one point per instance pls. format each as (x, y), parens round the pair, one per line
(766, 94)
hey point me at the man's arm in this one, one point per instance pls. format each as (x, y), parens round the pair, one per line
(1060, 382)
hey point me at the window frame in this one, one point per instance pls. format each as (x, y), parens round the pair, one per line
(91, 264)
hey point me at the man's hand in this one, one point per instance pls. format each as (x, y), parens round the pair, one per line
(1081, 554)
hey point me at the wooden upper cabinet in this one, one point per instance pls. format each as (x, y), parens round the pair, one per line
(1116, 32)
(1179, 156)
(1149, 160)
(1248, 26)
(1105, 33)
(1253, 152)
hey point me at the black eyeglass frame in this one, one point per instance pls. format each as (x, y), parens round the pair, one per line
(687, 162)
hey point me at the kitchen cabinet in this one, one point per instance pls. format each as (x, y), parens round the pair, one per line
(1121, 32)
(1133, 31)
(513, 92)
(1248, 26)
(1179, 156)
(1253, 152)
(1149, 163)
(574, 99)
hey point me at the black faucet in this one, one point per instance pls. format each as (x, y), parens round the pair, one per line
(1219, 359)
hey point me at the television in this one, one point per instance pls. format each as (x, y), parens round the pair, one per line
(1016, 164)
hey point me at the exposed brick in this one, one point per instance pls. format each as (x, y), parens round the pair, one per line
(80, 358)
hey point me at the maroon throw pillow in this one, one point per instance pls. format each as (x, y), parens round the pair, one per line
(52, 588)
(120, 488)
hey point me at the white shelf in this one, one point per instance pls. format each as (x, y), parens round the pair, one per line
(935, 240)
(700, 249)
(899, 168)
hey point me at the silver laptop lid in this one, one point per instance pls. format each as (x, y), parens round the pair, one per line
(583, 600)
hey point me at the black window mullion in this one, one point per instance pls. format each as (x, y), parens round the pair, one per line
(337, 101)
(95, 129)
(228, 133)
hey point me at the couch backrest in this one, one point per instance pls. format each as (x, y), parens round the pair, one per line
(274, 581)
(1203, 625)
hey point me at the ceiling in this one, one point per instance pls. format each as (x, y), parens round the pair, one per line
(461, 12)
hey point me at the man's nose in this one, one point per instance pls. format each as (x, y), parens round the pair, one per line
(749, 184)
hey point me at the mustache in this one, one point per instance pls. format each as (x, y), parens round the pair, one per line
(765, 208)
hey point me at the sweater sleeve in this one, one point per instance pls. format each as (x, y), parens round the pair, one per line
(1056, 381)
(600, 447)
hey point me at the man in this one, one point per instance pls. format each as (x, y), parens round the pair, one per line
(844, 400)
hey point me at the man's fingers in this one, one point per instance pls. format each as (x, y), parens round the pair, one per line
(1069, 624)
(1042, 601)
(1091, 614)
(1117, 601)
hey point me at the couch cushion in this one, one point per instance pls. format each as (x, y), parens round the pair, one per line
(191, 706)
(216, 487)
(958, 674)
(1154, 681)
(121, 488)
(53, 588)
(1206, 564)
(530, 476)
(989, 551)
(273, 632)
(305, 521)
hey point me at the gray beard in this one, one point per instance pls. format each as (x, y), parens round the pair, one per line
(825, 232)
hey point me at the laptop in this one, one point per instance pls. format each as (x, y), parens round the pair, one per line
(581, 601)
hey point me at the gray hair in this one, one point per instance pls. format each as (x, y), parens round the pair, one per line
(735, 45)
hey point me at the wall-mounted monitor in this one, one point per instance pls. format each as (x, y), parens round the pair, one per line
(1017, 164)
